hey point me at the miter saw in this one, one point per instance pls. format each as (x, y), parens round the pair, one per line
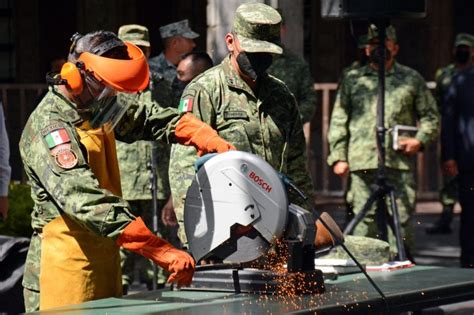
(235, 210)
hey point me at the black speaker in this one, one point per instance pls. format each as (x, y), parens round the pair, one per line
(338, 9)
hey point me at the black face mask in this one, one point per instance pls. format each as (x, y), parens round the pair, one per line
(375, 55)
(178, 86)
(462, 56)
(254, 65)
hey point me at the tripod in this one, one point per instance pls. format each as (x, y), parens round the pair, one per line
(382, 189)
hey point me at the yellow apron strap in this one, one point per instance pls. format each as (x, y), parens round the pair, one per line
(76, 264)
(102, 157)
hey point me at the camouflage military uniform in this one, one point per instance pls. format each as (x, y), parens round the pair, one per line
(133, 161)
(266, 123)
(352, 136)
(294, 71)
(75, 191)
(160, 65)
(448, 194)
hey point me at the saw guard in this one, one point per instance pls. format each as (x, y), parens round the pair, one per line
(235, 188)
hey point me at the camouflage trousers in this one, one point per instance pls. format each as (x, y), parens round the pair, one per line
(359, 191)
(179, 211)
(131, 261)
(448, 195)
(32, 300)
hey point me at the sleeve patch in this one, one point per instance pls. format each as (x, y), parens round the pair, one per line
(56, 137)
(64, 156)
(185, 105)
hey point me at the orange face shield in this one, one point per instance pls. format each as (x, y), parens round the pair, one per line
(129, 76)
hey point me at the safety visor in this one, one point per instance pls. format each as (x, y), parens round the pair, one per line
(110, 112)
(103, 109)
(129, 76)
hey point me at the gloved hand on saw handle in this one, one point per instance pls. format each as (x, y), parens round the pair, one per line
(324, 239)
(139, 239)
(192, 131)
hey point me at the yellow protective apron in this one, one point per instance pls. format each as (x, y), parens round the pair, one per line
(76, 264)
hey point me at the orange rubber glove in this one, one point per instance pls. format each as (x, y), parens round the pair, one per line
(192, 131)
(139, 239)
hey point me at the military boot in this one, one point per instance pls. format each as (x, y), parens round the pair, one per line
(443, 225)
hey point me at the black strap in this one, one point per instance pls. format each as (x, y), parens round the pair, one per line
(106, 46)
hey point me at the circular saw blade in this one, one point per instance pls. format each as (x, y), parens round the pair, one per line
(235, 192)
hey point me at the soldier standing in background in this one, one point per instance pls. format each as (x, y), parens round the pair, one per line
(361, 56)
(294, 72)
(457, 148)
(134, 160)
(191, 65)
(178, 39)
(352, 133)
(253, 110)
(448, 194)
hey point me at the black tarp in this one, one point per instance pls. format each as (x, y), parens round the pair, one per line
(12, 261)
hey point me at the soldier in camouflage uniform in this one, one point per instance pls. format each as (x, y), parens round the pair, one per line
(68, 151)
(294, 72)
(361, 56)
(251, 109)
(134, 159)
(178, 39)
(448, 194)
(352, 134)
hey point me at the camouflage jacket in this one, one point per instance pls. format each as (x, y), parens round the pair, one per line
(75, 191)
(162, 66)
(265, 123)
(354, 65)
(443, 78)
(352, 130)
(134, 158)
(294, 71)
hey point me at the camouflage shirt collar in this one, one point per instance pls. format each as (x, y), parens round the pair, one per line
(165, 64)
(233, 78)
(368, 70)
(66, 109)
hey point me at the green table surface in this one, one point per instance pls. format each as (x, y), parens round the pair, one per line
(407, 289)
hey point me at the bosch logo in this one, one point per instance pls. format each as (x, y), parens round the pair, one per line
(260, 181)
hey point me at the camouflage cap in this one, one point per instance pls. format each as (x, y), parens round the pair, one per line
(257, 27)
(390, 32)
(180, 28)
(134, 33)
(368, 251)
(464, 39)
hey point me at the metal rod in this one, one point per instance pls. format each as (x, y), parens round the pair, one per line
(153, 167)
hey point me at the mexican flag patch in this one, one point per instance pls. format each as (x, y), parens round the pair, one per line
(57, 137)
(185, 105)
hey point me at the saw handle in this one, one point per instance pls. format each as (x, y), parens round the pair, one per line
(203, 159)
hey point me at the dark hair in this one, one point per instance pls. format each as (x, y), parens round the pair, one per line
(102, 43)
(200, 59)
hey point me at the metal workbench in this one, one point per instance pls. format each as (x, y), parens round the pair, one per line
(407, 289)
